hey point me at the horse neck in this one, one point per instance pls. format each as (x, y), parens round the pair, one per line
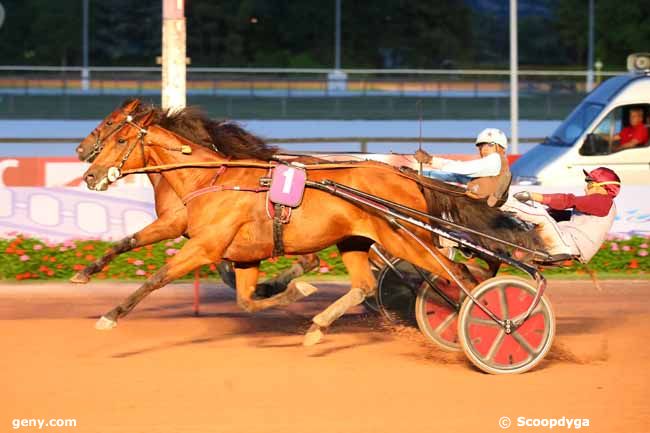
(165, 149)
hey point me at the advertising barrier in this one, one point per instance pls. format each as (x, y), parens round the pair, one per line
(47, 198)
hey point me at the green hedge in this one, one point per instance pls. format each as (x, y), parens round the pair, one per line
(24, 258)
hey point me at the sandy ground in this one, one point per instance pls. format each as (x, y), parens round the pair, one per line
(162, 370)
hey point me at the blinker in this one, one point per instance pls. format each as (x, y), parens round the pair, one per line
(186, 150)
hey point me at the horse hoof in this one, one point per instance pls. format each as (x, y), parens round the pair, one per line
(105, 324)
(305, 289)
(79, 278)
(313, 336)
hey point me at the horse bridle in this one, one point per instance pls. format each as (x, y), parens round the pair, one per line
(115, 172)
(99, 142)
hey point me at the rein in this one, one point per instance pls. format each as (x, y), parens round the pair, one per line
(115, 173)
(251, 164)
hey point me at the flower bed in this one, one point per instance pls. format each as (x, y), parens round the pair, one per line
(24, 258)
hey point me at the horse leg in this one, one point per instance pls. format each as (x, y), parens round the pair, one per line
(169, 225)
(279, 283)
(363, 284)
(246, 276)
(194, 253)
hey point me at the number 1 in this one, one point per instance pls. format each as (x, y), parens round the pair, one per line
(288, 179)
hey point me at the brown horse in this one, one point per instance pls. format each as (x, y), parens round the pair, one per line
(172, 214)
(232, 223)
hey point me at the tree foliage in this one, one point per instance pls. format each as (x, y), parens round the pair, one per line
(292, 33)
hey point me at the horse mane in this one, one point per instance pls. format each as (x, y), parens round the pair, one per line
(444, 201)
(225, 136)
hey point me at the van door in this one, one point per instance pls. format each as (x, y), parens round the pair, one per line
(602, 147)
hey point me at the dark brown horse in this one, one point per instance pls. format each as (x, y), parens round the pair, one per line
(233, 224)
(172, 215)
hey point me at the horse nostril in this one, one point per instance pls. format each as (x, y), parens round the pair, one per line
(79, 149)
(90, 179)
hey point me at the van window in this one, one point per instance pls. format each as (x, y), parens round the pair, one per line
(610, 137)
(567, 133)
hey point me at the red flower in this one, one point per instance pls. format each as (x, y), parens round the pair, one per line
(78, 254)
(130, 260)
(148, 247)
(633, 264)
(78, 267)
(50, 273)
(89, 247)
(59, 266)
(151, 267)
(90, 257)
(10, 250)
(213, 267)
(52, 259)
(43, 269)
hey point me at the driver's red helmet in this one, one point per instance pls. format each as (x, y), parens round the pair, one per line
(606, 177)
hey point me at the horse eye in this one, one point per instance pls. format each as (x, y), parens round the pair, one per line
(121, 141)
(109, 123)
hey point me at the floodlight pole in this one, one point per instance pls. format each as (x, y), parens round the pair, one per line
(173, 54)
(85, 73)
(514, 81)
(337, 37)
(590, 49)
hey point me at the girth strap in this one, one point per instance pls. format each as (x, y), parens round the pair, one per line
(278, 222)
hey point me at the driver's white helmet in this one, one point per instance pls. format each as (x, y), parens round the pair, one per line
(493, 135)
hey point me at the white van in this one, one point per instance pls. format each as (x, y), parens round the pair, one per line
(587, 138)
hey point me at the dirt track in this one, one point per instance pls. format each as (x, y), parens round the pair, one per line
(162, 370)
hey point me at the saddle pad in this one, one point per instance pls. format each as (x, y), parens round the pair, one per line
(287, 185)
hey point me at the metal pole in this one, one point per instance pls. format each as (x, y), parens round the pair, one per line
(514, 82)
(85, 73)
(590, 49)
(173, 54)
(337, 37)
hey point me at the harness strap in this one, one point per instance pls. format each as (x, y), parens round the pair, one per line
(278, 241)
(217, 188)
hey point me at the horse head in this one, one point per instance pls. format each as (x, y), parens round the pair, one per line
(92, 145)
(122, 150)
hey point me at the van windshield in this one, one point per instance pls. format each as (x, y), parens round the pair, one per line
(575, 125)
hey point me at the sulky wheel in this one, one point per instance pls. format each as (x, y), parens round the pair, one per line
(437, 317)
(396, 294)
(486, 343)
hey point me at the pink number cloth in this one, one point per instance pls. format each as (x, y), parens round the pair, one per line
(287, 185)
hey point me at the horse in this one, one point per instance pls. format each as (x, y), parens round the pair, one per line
(170, 210)
(229, 220)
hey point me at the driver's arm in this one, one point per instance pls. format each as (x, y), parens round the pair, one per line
(628, 144)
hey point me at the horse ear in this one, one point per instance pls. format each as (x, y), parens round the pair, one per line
(130, 105)
(147, 119)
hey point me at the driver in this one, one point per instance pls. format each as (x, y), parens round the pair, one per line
(636, 134)
(487, 177)
(592, 216)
